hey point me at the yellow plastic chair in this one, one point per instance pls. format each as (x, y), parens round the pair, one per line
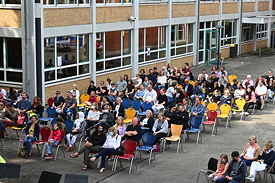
(212, 106)
(179, 86)
(203, 103)
(83, 98)
(203, 90)
(98, 98)
(175, 131)
(231, 79)
(225, 114)
(192, 82)
(240, 104)
(129, 113)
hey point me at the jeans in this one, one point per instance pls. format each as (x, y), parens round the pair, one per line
(87, 150)
(49, 146)
(224, 180)
(256, 167)
(247, 162)
(270, 93)
(28, 143)
(105, 152)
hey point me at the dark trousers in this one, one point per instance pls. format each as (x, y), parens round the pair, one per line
(28, 143)
(87, 150)
(159, 136)
(105, 152)
(224, 180)
(248, 105)
(247, 162)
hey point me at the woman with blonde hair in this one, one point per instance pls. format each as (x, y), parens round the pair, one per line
(251, 151)
(120, 126)
(110, 147)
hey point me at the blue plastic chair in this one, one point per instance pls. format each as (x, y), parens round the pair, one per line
(126, 103)
(148, 142)
(144, 107)
(51, 114)
(136, 104)
(69, 125)
(195, 128)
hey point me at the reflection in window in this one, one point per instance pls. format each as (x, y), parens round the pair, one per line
(49, 53)
(83, 48)
(112, 44)
(14, 76)
(248, 30)
(66, 50)
(229, 32)
(113, 1)
(84, 69)
(66, 72)
(99, 45)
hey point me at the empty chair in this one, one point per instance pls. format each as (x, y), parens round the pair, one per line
(225, 114)
(83, 98)
(195, 128)
(240, 104)
(72, 178)
(49, 177)
(136, 104)
(126, 103)
(212, 106)
(175, 131)
(129, 113)
(211, 168)
(51, 114)
(231, 79)
(212, 116)
(148, 140)
(144, 107)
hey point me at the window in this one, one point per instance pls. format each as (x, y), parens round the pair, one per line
(12, 1)
(113, 50)
(113, 1)
(181, 39)
(247, 32)
(229, 32)
(73, 2)
(152, 43)
(261, 31)
(11, 60)
(66, 56)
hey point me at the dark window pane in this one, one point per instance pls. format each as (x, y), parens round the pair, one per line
(99, 66)
(173, 51)
(1, 53)
(49, 52)
(200, 55)
(202, 25)
(181, 50)
(84, 69)
(190, 33)
(99, 45)
(66, 72)
(112, 44)
(141, 40)
(14, 53)
(113, 63)
(2, 75)
(181, 34)
(152, 38)
(14, 76)
(66, 50)
(126, 61)
(173, 37)
(228, 29)
(141, 58)
(126, 42)
(189, 49)
(13, 1)
(152, 56)
(49, 75)
(162, 37)
(208, 24)
(83, 48)
(162, 54)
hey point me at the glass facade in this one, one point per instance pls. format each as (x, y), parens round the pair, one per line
(72, 2)
(229, 32)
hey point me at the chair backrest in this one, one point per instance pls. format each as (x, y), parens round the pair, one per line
(98, 98)
(69, 125)
(203, 90)
(212, 106)
(225, 109)
(195, 124)
(126, 103)
(45, 133)
(240, 103)
(130, 147)
(212, 115)
(176, 130)
(192, 82)
(146, 106)
(84, 98)
(231, 78)
(73, 178)
(148, 139)
(51, 112)
(130, 113)
(136, 104)
(203, 103)
(50, 101)
(49, 177)
(212, 164)
(11, 171)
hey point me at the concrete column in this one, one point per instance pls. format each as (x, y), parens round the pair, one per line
(92, 40)
(269, 25)
(29, 46)
(256, 5)
(196, 34)
(135, 38)
(239, 27)
(168, 32)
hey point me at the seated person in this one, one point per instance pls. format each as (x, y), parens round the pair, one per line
(226, 98)
(24, 104)
(110, 147)
(266, 159)
(37, 107)
(182, 117)
(261, 92)
(236, 171)
(118, 108)
(32, 134)
(58, 102)
(76, 131)
(160, 128)
(93, 117)
(223, 167)
(162, 101)
(10, 116)
(120, 126)
(171, 115)
(112, 94)
(69, 106)
(147, 122)
(140, 93)
(150, 94)
(92, 145)
(91, 87)
(133, 131)
(251, 151)
(106, 118)
(92, 99)
(103, 101)
(239, 92)
(187, 88)
(197, 91)
(250, 99)
(54, 140)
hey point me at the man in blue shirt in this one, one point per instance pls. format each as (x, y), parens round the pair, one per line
(197, 113)
(24, 104)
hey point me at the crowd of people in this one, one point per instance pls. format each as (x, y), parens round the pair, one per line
(174, 96)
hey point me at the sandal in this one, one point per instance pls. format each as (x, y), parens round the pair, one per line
(101, 170)
(73, 155)
(84, 167)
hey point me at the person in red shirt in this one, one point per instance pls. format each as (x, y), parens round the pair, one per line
(54, 139)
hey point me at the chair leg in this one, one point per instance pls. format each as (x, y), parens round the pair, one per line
(18, 148)
(213, 129)
(164, 143)
(198, 176)
(38, 150)
(131, 165)
(150, 156)
(57, 148)
(198, 136)
(178, 146)
(227, 121)
(43, 150)
(139, 154)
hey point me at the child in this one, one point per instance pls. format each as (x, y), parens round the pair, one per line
(54, 139)
(223, 166)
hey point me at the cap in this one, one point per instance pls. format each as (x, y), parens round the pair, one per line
(248, 76)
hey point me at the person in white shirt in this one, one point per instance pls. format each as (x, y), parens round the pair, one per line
(150, 95)
(203, 75)
(261, 92)
(110, 147)
(3, 92)
(247, 80)
(240, 92)
(137, 81)
(75, 92)
(162, 80)
(93, 117)
(170, 93)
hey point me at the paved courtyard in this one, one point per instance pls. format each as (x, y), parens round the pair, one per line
(169, 166)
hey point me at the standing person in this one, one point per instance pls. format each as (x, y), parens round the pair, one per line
(197, 113)
(32, 134)
(236, 171)
(160, 128)
(75, 92)
(110, 147)
(69, 106)
(251, 151)
(93, 145)
(54, 139)
(91, 87)
(58, 102)
(37, 107)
